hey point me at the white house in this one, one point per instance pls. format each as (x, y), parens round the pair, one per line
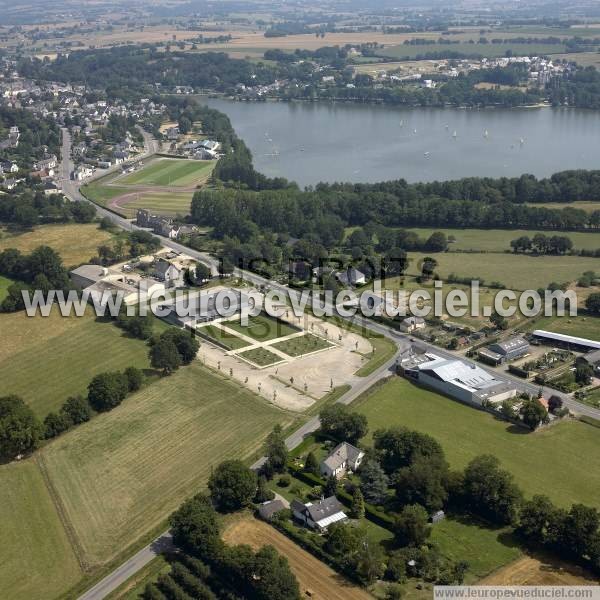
(344, 457)
(320, 515)
(412, 324)
(168, 273)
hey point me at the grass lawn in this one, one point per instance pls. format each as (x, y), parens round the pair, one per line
(102, 194)
(262, 328)
(593, 397)
(163, 203)
(233, 342)
(76, 243)
(580, 326)
(171, 172)
(562, 461)
(36, 558)
(119, 476)
(5, 283)
(498, 240)
(485, 548)
(47, 359)
(260, 356)
(515, 271)
(302, 345)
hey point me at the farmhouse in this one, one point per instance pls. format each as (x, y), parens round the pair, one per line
(169, 274)
(351, 276)
(320, 515)
(411, 324)
(500, 352)
(159, 224)
(344, 457)
(458, 379)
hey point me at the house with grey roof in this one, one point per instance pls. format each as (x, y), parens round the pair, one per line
(169, 274)
(351, 276)
(510, 349)
(412, 324)
(344, 457)
(319, 515)
(267, 510)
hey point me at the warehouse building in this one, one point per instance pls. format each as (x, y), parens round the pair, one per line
(570, 342)
(458, 379)
(500, 352)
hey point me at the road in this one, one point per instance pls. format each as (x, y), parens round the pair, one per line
(402, 341)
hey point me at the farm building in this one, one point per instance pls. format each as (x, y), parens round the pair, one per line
(495, 354)
(565, 341)
(458, 379)
(344, 457)
(412, 324)
(593, 359)
(270, 508)
(320, 515)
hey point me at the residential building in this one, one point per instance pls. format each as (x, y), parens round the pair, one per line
(169, 274)
(267, 510)
(82, 172)
(344, 457)
(319, 515)
(161, 225)
(8, 166)
(351, 276)
(46, 163)
(411, 324)
(458, 379)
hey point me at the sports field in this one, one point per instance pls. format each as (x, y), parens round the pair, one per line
(76, 243)
(47, 359)
(262, 328)
(562, 461)
(36, 558)
(170, 172)
(119, 476)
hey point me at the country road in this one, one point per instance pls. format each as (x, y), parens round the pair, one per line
(402, 341)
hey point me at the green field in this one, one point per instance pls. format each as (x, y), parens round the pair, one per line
(260, 356)
(303, 344)
(119, 476)
(515, 271)
(233, 342)
(486, 50)
(170, 172)
(47, 359)
(580, 326)
(161, 203)
(36, 558)
(498, 240)
(262, 328)
(102, 194)
(587, 206)
(5, 283)
(484, 547)
(562, 461)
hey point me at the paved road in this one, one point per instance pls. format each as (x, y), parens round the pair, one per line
(137, 562)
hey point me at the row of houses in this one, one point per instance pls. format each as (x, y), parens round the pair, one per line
(161, 225)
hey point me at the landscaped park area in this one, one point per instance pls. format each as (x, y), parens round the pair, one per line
(162, 185)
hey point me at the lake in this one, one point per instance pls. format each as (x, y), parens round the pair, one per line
(312, 142)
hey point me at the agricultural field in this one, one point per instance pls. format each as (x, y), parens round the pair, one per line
(587, 206)
(119, 476)
(498, 240)
(262, 328)
(312, 574)
(76, 243)
(36, 556)
(47, 359)
(579, 326)
(514, 271)
(5, 283)
(304, 344)
(170, 172)
(546, 462)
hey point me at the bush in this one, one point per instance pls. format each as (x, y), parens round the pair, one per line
(19, 429)
(78, 409)
(55, 424)
(135, 378)
(284, 480)
(107, 390)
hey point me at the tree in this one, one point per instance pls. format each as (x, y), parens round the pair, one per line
(428, 267)
(369, 563)
(498, 321)
(55, 424)
(490, 491)
(276, 451)
(584, 373)
(311, 465)
(164, 355)
(580, 530)
(412, 527)
(437, 242)
(555, 403)
(263, 493)
(186, 345)
(331, 486)
(535, 519)
(107, 390)
(19, 429)
(232, 485)
(78, 409)
(135, 378)
(195, 527)
(394, 592)
(373, 482)
(533, 413)
(592, 303)
(357, 509)
(342, 424)
(272, 578)
(423, 482)
(508, 410)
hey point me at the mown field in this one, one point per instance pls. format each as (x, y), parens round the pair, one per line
(160, 203)
(5, 283)
(120, 475)
(170, 172)
(562, 461)
(514, 271)
(47, 359)
(36, 558)
(579, 326)
(76, 243)
(498, 240)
